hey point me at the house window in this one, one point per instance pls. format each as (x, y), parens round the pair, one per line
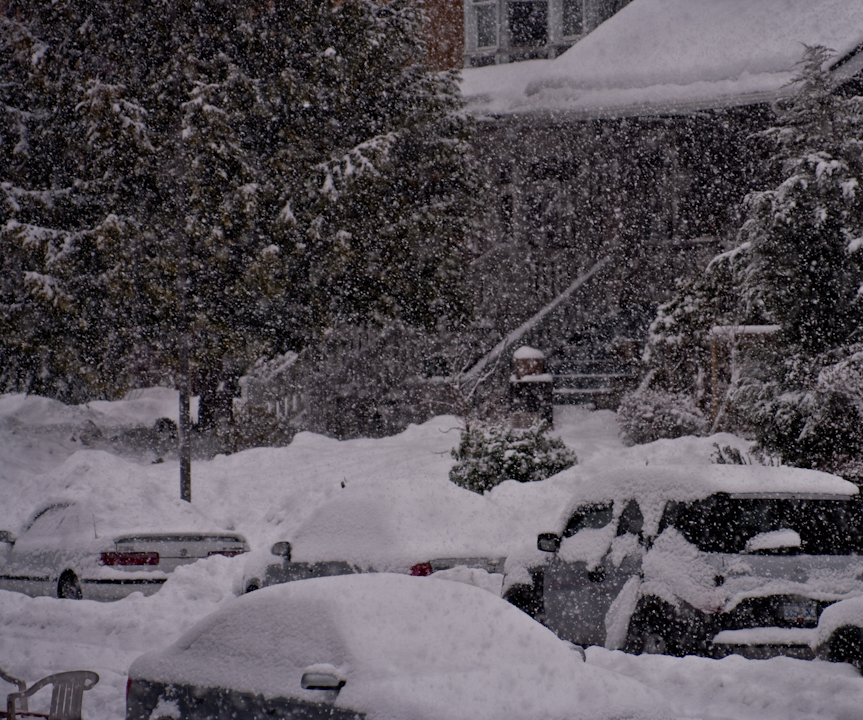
(486, 23)
(573, 17)
(528, 23)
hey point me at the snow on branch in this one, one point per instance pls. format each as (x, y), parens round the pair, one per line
(45, 287)
(15, 194)
(356, 163)
(58, 243)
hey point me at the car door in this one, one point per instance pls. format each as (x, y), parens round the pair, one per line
(32, 562)
(600, 551)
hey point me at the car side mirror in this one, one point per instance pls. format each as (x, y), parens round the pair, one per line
(7, 537)
(548, 542)
(282, 549)
(778, 542)
(322, 677)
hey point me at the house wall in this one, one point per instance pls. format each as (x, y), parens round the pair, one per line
(660, 195)
(500, 31)
(445, 34)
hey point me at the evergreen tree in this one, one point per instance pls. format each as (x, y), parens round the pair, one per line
(798, 265)
(311, 166)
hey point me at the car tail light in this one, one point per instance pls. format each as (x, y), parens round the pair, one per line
(421, 569)
(130, 558)
(226, 553)
(128, 688)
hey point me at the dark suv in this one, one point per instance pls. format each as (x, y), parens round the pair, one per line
(705, 560)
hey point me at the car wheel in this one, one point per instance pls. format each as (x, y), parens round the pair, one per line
(252, 586)
(69, 588)
(652, 630)
(528, 598)
(653, 643)
(846, 645)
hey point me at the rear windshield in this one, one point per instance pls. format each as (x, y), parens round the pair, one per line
(723, 524)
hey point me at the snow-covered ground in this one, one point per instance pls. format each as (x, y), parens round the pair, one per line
(266, 494)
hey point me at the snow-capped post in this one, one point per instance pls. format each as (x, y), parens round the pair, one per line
(530, 389)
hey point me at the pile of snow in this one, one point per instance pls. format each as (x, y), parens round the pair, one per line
(672, 55)
(267, 494)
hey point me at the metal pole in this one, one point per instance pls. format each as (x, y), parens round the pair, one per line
(183, 380)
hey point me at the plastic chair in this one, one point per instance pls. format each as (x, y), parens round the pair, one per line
(66, 698)
(11, 680)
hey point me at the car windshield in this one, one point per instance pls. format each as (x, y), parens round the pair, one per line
(721, 523)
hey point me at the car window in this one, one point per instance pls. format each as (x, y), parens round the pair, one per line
(631, 519)
(589, 516)
(724, 524)
(47, 521)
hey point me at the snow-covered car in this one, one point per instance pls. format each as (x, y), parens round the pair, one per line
(74, 549)
(376, 645)
(357, 534)
(707, 560)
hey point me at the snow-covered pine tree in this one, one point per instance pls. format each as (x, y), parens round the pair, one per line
(805, 273)
(798, 265)
(315, 168)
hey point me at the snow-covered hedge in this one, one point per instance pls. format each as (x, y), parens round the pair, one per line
(486, 456)
(648, 415)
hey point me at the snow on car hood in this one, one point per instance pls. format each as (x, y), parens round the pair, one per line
(401, 644)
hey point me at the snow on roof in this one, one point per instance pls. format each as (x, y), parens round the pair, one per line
(672, 56)
(418, 647)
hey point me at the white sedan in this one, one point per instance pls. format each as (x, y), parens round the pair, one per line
(75, 549)
(379, 646)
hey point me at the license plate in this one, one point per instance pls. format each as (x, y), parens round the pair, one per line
(803, 611)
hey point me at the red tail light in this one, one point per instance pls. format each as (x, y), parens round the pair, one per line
(128, 687)
(226, 553)
(130, 558)
(421, 569)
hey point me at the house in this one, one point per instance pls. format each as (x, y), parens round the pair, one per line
(500, 31)
(473, 33)
(637, 144)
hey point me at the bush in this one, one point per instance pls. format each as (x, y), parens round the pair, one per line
(486, 456)
(648, 415)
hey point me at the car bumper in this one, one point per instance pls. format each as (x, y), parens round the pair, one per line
(104, 589)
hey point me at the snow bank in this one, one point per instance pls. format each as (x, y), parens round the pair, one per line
(267, 494)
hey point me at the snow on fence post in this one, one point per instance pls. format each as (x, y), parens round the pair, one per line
(530, 389)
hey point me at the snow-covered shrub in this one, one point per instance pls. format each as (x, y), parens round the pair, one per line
(488, 455)
(647, 415)
(817, 422)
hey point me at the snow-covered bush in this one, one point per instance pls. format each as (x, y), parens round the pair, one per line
(813, 416)
(647, 415)
(488, 455)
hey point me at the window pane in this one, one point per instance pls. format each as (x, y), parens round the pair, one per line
(486, 26)
(573, 17)
(528, 23)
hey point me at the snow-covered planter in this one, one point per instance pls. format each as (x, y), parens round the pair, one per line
(486, 456)
(648, 415)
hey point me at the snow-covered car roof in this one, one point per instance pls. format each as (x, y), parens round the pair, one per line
(654, 485)
(417, 647)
